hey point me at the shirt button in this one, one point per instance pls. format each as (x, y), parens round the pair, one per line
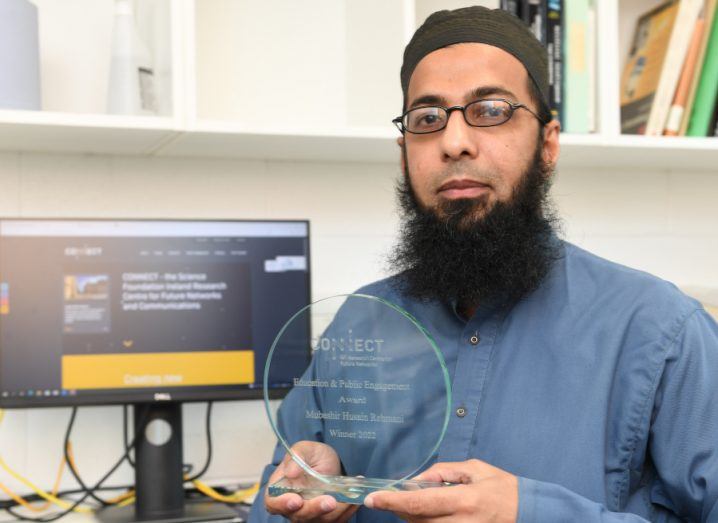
(461, 412)
(475, 339)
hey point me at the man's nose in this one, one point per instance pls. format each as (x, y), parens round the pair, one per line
(457, 138)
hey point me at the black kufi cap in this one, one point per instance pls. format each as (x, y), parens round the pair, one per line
(480, 25)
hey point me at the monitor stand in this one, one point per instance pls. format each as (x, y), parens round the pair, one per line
(158, 474)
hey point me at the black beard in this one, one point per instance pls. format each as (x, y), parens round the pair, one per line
(459, 255)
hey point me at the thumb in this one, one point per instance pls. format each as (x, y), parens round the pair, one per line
(457, 472)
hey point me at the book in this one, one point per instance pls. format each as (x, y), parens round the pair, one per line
(714, 121)
(545, 19)
(707, 90)
(577, 50)
(513, 7)
(592, 76)
(688, 11)
(709, 10)
(534, 15)
(675, 114)
(554, 48)
(641, 73)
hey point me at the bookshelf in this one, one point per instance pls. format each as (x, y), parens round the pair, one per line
(315, 55)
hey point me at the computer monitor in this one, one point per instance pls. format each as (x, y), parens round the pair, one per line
(149, 312)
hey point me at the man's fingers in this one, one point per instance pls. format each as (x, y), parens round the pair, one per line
(421, 503)
(458, 472)
(284, 504)
(322, 508)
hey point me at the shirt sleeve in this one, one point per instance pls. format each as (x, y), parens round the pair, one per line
(259, 514)
(542, 502)
(683, 441)
(297, 399)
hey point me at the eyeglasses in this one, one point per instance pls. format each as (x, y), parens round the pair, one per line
(479, 113)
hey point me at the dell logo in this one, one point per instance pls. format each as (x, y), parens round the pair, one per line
(163, 396)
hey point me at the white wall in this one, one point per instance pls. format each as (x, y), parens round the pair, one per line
(663, 222)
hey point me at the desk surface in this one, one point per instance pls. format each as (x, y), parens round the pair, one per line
(241, 513)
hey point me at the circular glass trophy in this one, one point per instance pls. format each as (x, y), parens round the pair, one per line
(376, 390)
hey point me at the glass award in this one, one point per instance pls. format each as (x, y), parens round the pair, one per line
(376, 390)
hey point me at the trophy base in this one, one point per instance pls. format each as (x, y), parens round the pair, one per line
(345, 489)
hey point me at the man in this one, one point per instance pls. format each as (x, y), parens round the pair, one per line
(582, 390)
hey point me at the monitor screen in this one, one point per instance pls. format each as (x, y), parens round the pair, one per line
(127, 311)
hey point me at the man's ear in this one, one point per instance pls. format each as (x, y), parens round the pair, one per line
(551, 147)
(400, 142)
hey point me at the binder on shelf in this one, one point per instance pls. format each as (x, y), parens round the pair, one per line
(688, 11)
(707, 90)
(641, 74)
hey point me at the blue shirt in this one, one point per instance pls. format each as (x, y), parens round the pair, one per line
(599, 390)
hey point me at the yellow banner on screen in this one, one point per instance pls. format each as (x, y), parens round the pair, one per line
(163, 369)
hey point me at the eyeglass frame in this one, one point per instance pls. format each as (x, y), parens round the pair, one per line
(399, 120)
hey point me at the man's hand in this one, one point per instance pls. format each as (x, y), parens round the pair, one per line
(484, 494)
(323, 509)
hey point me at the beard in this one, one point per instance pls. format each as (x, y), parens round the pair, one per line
(468, 252)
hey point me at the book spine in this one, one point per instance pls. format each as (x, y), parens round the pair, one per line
(714, 123)
(591, 36)
(710, 10)
(513, 7)
(554, 47)
(706, 92)
(537, 20)
(526, 12)
(576, 63)
(675, 115)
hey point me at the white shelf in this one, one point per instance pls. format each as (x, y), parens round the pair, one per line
(39, 131)
(230, 140)
(642, 152)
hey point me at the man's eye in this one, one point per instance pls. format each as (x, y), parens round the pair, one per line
(492, 111)
(426, 119)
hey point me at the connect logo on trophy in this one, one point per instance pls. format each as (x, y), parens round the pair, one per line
(347, 344)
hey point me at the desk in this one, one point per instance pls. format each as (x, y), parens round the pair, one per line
(234, 514)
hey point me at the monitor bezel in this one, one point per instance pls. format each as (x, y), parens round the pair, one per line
(170, 395)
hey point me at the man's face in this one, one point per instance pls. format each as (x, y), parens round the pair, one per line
(482, 164)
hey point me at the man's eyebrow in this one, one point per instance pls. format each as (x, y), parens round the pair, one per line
(492, 90)
(428, 99)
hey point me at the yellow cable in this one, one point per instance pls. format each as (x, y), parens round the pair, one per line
(19, 499)
(236, 497)
(128, 501)
(55, 488)
(122, 498)
(48, 497)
